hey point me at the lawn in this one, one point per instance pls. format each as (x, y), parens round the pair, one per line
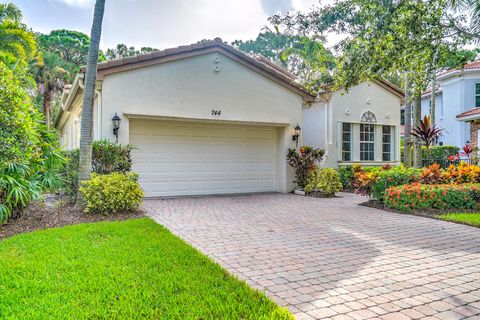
(124, 270)
(472, 219)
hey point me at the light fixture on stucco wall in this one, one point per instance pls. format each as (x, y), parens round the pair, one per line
(296, 134)
(116, 126)
(347, 112)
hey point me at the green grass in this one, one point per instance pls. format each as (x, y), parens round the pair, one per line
(472, 219)
(134, 269)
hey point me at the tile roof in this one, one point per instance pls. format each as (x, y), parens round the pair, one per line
(473, 65)
(469, 113)
(262, 63)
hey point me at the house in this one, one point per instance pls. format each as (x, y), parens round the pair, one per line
(208, 119)
(360, 126)
(458, 92)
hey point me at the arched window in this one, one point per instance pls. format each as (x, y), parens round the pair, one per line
(369, 117)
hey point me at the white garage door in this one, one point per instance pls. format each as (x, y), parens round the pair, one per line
(188, 158)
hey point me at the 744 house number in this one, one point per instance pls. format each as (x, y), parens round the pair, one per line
(216, 112)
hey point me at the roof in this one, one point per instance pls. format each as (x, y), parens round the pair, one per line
(469, 67)
(259, 64)
(391, 87)
(471, 114)
(472, 65)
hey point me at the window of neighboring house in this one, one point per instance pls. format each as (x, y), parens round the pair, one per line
(346, 142)
(477, 94)
(367, 142)
(402, 117)
(386, 143)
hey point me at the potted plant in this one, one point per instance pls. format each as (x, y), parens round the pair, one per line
(304, 161)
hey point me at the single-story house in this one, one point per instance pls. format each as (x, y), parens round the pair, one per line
(208, 119)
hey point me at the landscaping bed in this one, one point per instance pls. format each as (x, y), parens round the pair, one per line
(122, 270)
(467, 217)
(55, 211)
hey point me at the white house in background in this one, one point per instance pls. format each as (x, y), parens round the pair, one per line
(209, 119)
(458, 92)
(361, 125)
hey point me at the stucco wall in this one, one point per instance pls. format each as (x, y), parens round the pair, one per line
(190, 88)
(322, 128)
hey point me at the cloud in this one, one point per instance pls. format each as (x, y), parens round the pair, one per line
(168, 23)
(77, 3)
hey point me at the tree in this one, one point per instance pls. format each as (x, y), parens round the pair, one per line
(123, 51)
(307, 59)
(50, 76)
(86, 133)
(389, 39)
(15, 39)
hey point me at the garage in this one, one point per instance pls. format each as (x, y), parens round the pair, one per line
(175, 158)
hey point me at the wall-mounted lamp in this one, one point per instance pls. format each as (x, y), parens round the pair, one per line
(296, 133)
(116, 125)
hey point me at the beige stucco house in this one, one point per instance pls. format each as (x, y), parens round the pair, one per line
(209, 119)
(204, 119)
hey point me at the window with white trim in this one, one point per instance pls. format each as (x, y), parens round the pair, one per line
(367, 142)
(346, 141)
(386, 143)
(477, 94)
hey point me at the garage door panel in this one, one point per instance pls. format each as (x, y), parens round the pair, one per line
(175, 158)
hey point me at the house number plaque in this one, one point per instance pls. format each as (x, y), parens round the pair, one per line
(216, 112)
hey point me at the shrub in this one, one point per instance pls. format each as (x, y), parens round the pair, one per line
(324, 181)
(438, 152)
(433, 174)
(463, 173)
(30, 159)
(364, 181)
(304, 162)
(110, 193)
(424, 196)
(107, 157)
(347, 176)
(392, 177)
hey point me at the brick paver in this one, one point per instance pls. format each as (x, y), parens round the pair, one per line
(330, 258)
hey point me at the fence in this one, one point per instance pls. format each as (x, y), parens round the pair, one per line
(445, 163)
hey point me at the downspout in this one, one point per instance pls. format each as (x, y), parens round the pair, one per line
(99, 113)
(99, 107)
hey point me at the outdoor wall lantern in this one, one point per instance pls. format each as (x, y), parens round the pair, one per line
(296, 133)
(116, 125)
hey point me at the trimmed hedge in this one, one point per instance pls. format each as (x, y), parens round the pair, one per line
(433, 153)
(113, 192)
(440, 196)
(326, 182)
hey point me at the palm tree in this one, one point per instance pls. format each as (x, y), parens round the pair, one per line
(49, 76)
(15, 38)
(472, 9)
(86, 132)
(9, 11)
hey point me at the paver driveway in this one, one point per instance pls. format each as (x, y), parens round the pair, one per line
(330, 258)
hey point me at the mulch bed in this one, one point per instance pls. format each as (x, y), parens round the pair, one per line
(428, 213)
(56, 211)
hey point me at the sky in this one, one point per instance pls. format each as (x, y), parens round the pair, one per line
(160, 23)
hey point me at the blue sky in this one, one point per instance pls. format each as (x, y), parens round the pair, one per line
(159, 23)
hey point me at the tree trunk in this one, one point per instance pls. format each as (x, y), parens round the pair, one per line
(434, 86)
(86, 133)
(47, 107)
(417, 114)
(407, 128)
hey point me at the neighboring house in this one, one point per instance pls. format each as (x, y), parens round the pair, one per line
(209, 119)
(457, 93)
(359, 126)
